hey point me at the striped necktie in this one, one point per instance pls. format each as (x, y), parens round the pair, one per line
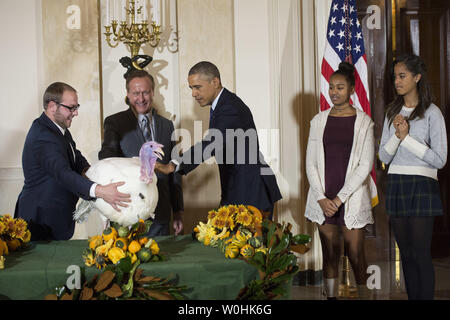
(146, 128)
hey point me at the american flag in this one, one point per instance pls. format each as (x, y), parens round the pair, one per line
(345, 43)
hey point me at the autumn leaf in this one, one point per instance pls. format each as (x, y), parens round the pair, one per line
(300, 248)
(86, 293)
(158, 295)
(114, 291)
(67, 296)
(104, 280)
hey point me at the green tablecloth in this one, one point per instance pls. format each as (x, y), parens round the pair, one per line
(34, 273)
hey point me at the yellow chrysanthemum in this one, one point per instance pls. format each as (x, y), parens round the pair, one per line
(232, 209)
(222, 213)
(241, 209)
(244, 218)
(219, 223)
(212, 214)
(9, 224)
(20, 227)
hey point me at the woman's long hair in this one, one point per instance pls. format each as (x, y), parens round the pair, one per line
(415, 65)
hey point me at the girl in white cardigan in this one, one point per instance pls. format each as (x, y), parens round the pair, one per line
(339, 159)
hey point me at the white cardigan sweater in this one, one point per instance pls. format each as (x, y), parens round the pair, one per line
(356, 192)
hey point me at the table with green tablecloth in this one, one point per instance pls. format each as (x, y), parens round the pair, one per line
(35, 272)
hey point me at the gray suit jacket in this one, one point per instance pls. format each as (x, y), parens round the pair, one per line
(124, 138)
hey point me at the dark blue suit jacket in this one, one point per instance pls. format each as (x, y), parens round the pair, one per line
(53, 182)
(243, 172)
(123, 138)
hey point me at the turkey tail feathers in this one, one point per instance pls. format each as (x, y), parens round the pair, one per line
(83, 210)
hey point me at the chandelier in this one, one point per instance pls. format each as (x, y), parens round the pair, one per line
(133, 27)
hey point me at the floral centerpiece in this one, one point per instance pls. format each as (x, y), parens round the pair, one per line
(241, 231)
(14, 235)
(122, 245)
(118, 251)
(234, 229)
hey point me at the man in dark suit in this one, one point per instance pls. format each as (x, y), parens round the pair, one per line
(54, 170)
(244, 176)
(126, 131)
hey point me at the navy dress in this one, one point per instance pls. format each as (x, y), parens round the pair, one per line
(337, 143)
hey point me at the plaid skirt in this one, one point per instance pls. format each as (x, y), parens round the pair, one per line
(412, 196)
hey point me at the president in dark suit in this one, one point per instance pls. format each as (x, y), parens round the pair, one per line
(124, 134)
(232, 139)
(53, 168)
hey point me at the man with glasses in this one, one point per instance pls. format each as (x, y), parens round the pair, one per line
(54, 170)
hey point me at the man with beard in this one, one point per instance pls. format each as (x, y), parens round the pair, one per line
(54, 170)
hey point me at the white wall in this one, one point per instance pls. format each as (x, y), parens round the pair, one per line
(20, 90)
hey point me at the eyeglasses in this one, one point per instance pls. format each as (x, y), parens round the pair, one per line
(71, 109)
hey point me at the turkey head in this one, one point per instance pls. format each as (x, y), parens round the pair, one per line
(150, 151)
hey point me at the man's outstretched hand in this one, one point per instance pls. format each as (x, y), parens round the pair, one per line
(165, 168)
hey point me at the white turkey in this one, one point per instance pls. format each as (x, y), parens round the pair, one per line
(140, 183)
